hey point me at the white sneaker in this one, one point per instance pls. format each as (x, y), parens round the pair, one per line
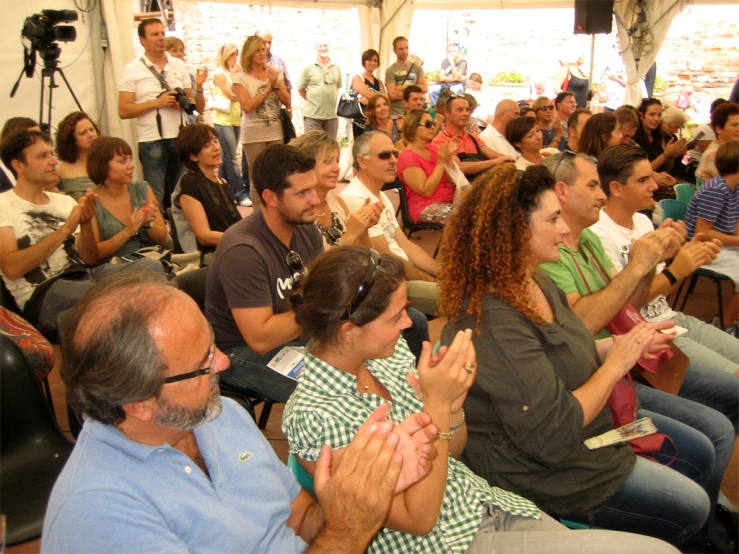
(246, 202)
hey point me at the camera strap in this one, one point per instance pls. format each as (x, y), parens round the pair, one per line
(166, 87)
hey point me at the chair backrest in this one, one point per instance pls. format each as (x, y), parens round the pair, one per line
(404, 213)
(193, 283)
(33, 450)
(684, 192)
(185, 235)
(673, 209)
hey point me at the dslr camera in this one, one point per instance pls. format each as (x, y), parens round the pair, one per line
(184, 102)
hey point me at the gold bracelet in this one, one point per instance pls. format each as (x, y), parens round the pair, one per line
(447, 436)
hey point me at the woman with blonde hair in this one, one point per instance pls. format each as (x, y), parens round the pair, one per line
(227, 119)
(378, 117)
(548, 122)
(261, 91)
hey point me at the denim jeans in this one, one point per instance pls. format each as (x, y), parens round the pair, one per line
(162, 168)
(249, 370)
(228, 136)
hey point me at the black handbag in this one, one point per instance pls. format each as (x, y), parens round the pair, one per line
(288, 130)
(349, 106)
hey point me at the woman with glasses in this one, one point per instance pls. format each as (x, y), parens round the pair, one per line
(525, 136)
(338, 226)
(74, 137)
(261, 92)
(548, 122)
(367, 85)
(205, 199)
(227, 119)
(543, 382)
(599, 132)
(422, 168)
(352, 306)
(378, 117)
(127, 215)
(662, 152)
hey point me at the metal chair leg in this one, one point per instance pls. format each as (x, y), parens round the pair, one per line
(264, 416)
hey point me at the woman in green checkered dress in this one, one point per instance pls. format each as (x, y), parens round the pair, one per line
(353, 305)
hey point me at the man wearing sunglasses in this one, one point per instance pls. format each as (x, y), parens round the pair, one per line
(319, 86)
(255, 269)
(473, 156)
(374, 161)
(164, 464)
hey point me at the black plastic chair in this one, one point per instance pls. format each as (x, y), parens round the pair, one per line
(411, 226)
(193, 284)
(34, 449)
(396, 185)
(714, 276)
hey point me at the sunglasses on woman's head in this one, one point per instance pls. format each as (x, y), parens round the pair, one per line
(427, 124)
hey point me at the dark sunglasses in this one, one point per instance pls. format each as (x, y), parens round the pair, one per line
(427, 124)
(546, 108)
(373, 264)
(295, 263)
(385, 154)
(197, 372)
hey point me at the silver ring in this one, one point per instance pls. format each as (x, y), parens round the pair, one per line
(469, 367)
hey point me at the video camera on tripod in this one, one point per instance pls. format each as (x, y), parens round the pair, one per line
(43, 30)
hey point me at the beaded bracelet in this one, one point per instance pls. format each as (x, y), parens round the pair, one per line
(448, 435)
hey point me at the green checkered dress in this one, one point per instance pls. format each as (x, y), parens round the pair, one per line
(326, 408)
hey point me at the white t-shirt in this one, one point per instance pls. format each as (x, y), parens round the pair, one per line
(31, 223)
(137, 78)
(354, 195)
(493, 139)
(617, 241)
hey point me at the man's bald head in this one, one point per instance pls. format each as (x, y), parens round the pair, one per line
(505, 111)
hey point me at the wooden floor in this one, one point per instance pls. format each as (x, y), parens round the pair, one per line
(702, 304)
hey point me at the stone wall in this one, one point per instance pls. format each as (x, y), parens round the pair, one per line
(700, 52)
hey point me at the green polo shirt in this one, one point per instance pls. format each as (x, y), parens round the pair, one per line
(565, 273)
(321, 85)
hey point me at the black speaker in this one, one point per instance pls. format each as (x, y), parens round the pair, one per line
(593, 17)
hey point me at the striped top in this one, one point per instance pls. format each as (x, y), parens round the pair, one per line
(327, 408)
(714, 202)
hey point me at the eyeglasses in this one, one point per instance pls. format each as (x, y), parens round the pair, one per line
(295, 263)
(365, 286)
(564, 155)
(385, 154)
(197, 372)
(546, 108)
(427, 124)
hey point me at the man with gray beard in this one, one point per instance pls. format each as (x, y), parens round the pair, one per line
(164, 464)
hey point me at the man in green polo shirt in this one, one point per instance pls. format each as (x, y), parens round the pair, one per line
(319, 86)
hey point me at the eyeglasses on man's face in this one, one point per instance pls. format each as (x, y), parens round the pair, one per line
(198, 372)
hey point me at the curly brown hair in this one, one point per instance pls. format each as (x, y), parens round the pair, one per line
(66, 145)
(485, 247)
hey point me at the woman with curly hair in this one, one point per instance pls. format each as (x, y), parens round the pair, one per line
(542, 381)
(378, 117)
(599, 132)
(74, 137)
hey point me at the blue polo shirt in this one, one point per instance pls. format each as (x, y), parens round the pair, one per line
(117, 495)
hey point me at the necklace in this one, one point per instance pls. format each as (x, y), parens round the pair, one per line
(364, 387)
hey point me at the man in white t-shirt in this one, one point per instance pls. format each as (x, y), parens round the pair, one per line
(494, 134)
(159, 115)
(44, 235)
(625, 174)
(375, 159)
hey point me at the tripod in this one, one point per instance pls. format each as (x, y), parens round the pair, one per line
(50, 55)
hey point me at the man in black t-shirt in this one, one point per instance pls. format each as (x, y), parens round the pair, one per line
(256, 265)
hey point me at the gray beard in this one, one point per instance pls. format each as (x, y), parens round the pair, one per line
(186, 419)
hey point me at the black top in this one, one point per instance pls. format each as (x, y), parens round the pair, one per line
(217, 201)
(524, 426)
(374, 86)
(579, 87)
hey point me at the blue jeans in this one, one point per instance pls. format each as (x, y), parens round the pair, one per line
(435, 91)
(249, 370)
(162, 168)
(228, 136)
